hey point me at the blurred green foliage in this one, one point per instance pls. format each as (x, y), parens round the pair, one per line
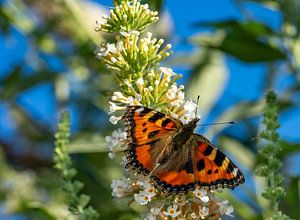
(63, 29)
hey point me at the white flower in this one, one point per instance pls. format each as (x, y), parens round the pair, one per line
(201, 194)
(130, 100)
(225, 208)
(148, 37)
(155, 210)
(149, 216)
(123, 161)
(229, 210)
(134, 101)
(113, 59)
(172, 211)
(190, 107)
(137, 98)
(104, 16)
(105, 50)
(111, 155)
(190, 112)
(149, 189)
(114, 119)
(166, 70)
(193, 215)
(128, 34)
(116, 139)
(142, 198)
(114, 107)
(120, 187)
(175, 95)
(171, 94)
(203, 212)
(110, 48)
(140, 81)
(120, 45)
(152, 214)
(168, 73)
(100, 52)
(118, 96)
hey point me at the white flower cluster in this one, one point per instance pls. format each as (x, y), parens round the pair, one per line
(163, 86)
(114, 141)
(225, 208)
(123, 14)
(121, 187)
(135, 62)
(107, 49)
(144, 196)
(122, 56)
(190, 112)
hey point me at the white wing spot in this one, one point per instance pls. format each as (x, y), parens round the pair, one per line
(139, 110)
(235, 170)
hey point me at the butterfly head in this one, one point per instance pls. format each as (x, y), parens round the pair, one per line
(192, 124)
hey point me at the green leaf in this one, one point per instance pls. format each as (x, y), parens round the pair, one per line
(246, 41)
(248, 28)
(84, 200)
(5, 20)
(248, 49)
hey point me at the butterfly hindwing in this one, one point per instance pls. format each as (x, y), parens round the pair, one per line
(214, 169)
(180, 181)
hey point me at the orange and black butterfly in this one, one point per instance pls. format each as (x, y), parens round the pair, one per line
(172, 156)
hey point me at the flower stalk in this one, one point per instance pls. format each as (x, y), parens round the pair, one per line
(270, 164)
(78, 203)
(134, 61)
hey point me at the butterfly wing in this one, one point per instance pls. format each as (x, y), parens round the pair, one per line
(213, 168)
(176, 181)
(149, 131)
(145, 127)
(206, 167)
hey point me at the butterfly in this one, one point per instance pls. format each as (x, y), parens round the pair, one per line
(174, 158)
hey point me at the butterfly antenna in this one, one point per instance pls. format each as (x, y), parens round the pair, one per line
(198, 97)
(219, 123)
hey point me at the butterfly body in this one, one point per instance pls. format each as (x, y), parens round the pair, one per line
(173, 156)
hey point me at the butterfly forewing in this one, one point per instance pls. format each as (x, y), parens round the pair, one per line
(145, 127)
